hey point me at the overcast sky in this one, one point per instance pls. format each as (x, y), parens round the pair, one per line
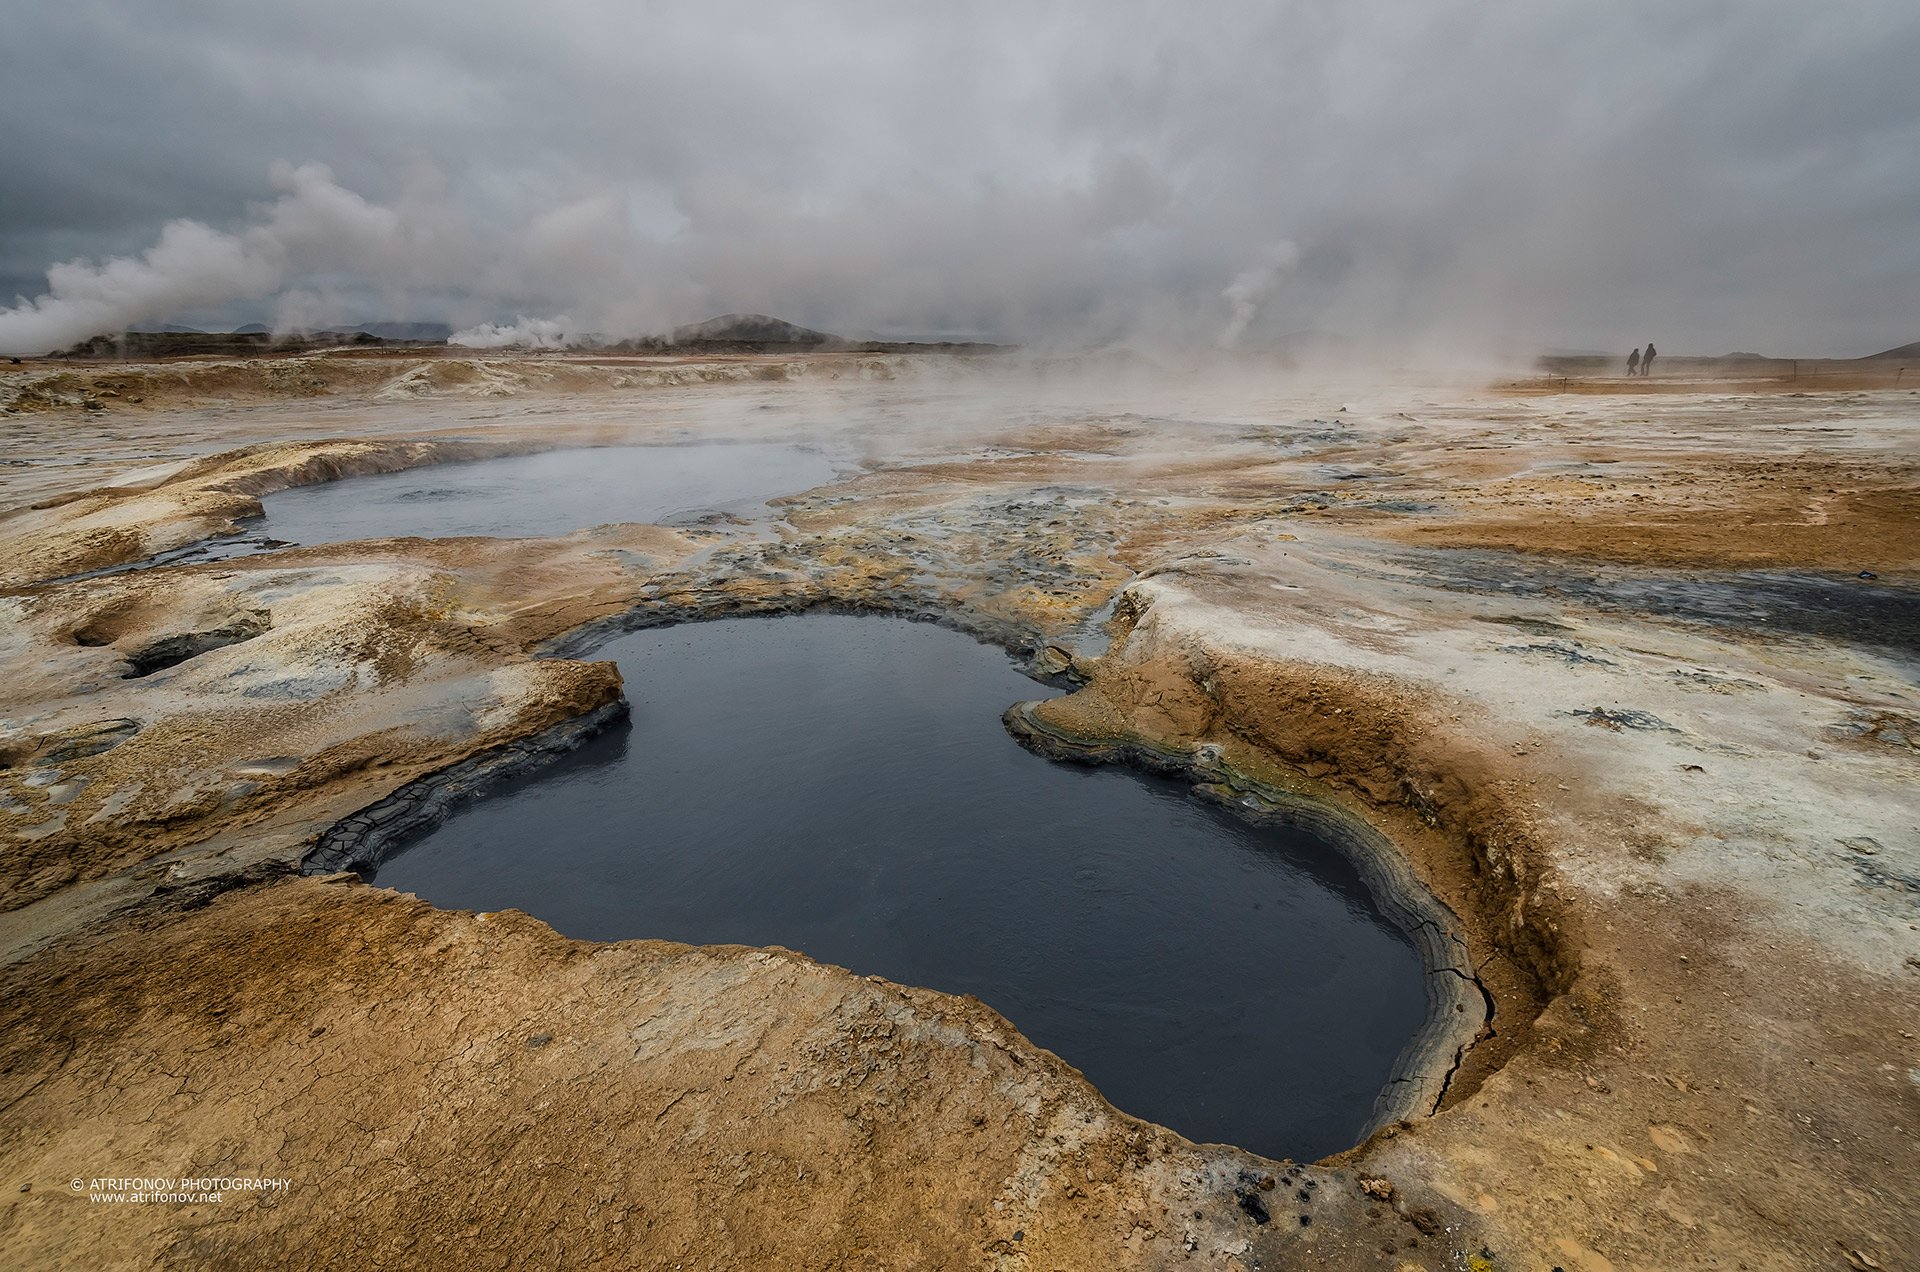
(1710, 175)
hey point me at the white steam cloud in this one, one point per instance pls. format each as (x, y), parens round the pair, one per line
(522, 333)
(1252, 286)
(321, 254)
(313, 225)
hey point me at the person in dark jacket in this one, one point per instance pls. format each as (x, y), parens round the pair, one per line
(1646, 359)
(1633, 361)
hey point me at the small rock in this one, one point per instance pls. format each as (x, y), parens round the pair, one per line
(1616, 720)
(1379, 1189)
(538, 1040)
(1867, 574)
(1051, 660)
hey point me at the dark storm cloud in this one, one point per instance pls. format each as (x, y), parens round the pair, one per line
(1716, 174)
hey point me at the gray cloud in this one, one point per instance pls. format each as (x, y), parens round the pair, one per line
(1715, 175)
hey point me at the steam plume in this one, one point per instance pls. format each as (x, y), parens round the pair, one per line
(314, 224)
(523, 332)
(1251, 287)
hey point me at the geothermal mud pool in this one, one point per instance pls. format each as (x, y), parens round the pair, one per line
(1590, 684)
(548, 493)
(545, 494)
(843, 787)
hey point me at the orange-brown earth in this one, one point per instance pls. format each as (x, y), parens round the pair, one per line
(1687, 854)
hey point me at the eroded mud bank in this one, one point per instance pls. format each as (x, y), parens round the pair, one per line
(1459, 1007)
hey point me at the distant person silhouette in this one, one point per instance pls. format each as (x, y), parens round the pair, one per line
(1646, 359)
(1633, 361)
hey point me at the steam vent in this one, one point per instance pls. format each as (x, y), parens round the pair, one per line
(1151, 693)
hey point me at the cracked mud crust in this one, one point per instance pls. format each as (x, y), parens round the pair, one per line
(1665, 809)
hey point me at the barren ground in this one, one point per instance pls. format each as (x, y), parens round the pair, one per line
(1602, 664)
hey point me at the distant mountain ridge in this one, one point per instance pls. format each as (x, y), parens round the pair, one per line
(763, 333)
(728, 334)
(256, 340)
(758, 329)
(428, 331)
(1903, 351)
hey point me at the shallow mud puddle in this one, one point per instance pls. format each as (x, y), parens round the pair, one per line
(552, 493)
(522, 496)
(843, 786)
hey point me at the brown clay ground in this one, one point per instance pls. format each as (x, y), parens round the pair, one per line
(1688, 854)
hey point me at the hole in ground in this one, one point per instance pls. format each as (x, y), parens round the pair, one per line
(843, 786)
(176, 648)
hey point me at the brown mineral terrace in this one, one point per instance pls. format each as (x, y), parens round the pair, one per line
(1624, 679)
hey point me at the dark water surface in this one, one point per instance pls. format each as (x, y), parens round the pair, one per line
(843, 786)
(553, 493)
